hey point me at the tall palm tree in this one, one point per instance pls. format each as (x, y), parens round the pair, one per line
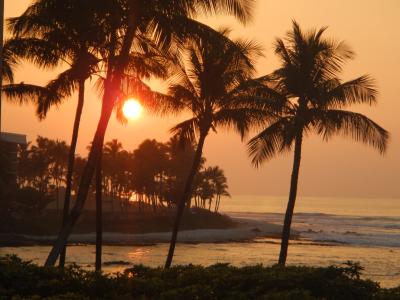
(211, 86)
(312, 98)
(50, 32)
(61, 35)
(164, 21)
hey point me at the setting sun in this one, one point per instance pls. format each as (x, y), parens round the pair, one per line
(132, 109)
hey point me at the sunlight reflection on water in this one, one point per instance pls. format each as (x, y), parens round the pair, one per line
(138, 253)
(381, 264)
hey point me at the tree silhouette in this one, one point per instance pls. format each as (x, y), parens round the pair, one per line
(312, 98)
(163, 21)
(211, 86)
(50, 33)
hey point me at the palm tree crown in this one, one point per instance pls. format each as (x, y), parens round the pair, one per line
(312, 96)
(211, 84)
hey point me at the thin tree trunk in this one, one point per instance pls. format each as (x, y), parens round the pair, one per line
(292, 200)
(84, 185)
(99, 212)
(187, 192)
(71, 161)
(114, 75)
(217, 203)
(58, 199)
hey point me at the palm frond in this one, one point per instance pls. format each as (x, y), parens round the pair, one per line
(185, 131)
(40, 52)
(241, 9)
(350, 124)
(58, 90)
(153, 101)
(241, 119)
(273, 140)
(22, 93)
(356, 91)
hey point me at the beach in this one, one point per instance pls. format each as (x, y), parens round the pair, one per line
(324, 236)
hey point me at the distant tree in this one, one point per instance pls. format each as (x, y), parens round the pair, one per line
(77, 174)
(111, 167)
(220, 184)
(181, 154)
(43, 165)
(312, 97)
(149, 163)
(58, 155)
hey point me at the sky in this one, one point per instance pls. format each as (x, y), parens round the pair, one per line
(340, 168)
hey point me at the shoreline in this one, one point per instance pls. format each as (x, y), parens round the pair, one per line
(246, 231)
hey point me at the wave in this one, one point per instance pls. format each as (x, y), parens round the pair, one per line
(355, 230)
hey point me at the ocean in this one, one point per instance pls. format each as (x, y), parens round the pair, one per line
(332, 231)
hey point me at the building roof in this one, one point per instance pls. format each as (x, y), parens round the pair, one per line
(13, 138)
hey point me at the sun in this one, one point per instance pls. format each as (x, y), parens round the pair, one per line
(132, 109)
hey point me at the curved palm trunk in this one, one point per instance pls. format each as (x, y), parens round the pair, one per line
(84, 185)
(187, 192)
(114, 75)
(292, 200)
(71, 161)
(99, 212)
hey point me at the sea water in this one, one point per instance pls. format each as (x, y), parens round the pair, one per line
(332, 231)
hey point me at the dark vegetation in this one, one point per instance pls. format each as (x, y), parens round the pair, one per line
(24, 280)
(146, 180)
(128, 222)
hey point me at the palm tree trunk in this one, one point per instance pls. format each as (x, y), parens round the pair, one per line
(99, 211)
(292, 200)
(85, 182)
(187, 192)
(71, 161)
(114, 75)
(217, 203)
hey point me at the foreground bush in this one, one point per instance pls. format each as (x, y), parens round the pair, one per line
(24, 280)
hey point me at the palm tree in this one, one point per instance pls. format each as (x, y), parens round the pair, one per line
(312, 98)
(163, 21)
(211, 85)
(48, 42)
(219, 181)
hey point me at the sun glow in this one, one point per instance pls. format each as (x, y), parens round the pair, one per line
(132, 109)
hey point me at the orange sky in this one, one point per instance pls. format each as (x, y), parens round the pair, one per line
(339, 168)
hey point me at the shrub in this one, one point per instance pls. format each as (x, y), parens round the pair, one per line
(24, 280)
